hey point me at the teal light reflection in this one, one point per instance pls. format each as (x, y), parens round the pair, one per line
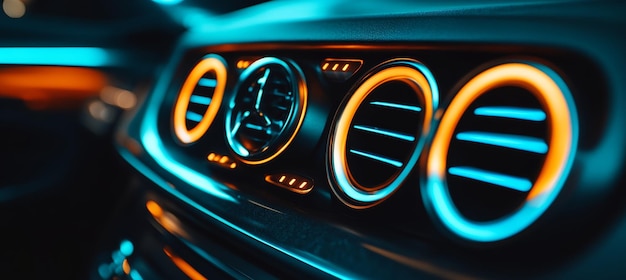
(167, 2)
(59, 56)
(126, 248)
(134, 274)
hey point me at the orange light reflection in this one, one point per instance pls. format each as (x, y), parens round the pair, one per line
(126, 266)
(184, 266)
(51, 87)
(166, 219)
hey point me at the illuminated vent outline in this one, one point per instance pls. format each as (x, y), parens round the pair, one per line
(208, 76)
(559, 147)
(410, 74)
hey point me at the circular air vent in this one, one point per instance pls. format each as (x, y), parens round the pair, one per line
(266, 111)
(502, 151)
(199, 99)
(379, 132)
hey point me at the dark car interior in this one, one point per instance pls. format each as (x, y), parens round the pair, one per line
(199, 139)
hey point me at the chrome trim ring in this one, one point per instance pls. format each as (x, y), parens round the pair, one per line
(250, 110)
(554, 95)
(408, 72)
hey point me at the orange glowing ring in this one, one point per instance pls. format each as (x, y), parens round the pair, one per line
(409, 72)
(209, 63)
(556, 99)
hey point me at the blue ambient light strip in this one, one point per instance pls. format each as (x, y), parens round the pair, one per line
(378, 158)
(527, 114)
(396, 106)
(60, 56)
(523, 143)
(167, 2)
(502, 180)
(389, 133)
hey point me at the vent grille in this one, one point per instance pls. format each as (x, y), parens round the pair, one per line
(496, 153)
(199, 99)
(501, 151)
(384, 131)
(379, 132)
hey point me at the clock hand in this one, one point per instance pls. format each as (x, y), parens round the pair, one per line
(261, 82)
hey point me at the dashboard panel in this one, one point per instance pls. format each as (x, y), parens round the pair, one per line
(406, 140)
(393, 139)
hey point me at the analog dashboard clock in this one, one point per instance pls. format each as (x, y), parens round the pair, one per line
(266, 111)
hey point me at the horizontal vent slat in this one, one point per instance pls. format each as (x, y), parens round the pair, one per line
(396, 106)
(527, 114)
(385, 132)
(254, 127)
(195, 117)
(198, 99)
(206, 82)
(502, 180)
(518, 142)
(377, 158)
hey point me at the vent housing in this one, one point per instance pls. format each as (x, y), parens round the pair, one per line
(501, 152)
(199, 99)
(379, 132)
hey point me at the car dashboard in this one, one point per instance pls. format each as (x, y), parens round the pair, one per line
(402, 139)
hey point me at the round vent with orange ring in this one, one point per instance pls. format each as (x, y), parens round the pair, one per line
(501, 152)
(199, 99)
(379, 131)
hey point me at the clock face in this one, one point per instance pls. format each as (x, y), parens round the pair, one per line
(266, 110)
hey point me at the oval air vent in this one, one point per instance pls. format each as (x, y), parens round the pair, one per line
(199, 99)
(501, 152)
(379, 132)
(266, 111)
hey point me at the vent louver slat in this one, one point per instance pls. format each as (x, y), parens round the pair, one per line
(518, 142)
(500, 152)
(383, 137)
(201, 98)
(379, 132)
